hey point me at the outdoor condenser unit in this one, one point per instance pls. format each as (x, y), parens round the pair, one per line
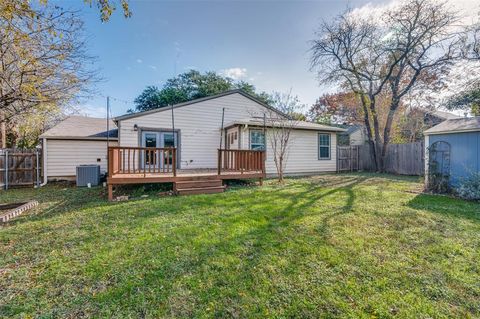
(88, 174)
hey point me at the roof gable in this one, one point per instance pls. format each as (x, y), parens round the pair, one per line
(162, 109)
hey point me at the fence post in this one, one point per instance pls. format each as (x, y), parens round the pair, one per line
(338, 152)
(350, 154)
(37, 161)
(6, 170)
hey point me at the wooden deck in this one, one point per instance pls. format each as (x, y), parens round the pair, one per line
(140, 165)
(139, 178)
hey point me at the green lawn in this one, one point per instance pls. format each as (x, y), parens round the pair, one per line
(352, 246)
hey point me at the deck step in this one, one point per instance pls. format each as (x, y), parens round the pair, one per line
(199, 183)
(197, 178)
(200, 190)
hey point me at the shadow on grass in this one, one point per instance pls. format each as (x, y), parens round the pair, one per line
(444, 205)
(261, 241)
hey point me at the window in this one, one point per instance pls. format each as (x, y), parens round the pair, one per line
(257, 140)
(323, 146)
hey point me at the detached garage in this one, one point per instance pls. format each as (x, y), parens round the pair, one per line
(77, 140)
(453, 149)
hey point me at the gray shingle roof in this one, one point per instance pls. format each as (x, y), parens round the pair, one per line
(465, 124)
(82, 127)
(444, 115)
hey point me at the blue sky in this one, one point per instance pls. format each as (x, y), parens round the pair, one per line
(265, 43)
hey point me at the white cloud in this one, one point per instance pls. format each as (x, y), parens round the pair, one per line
(153, 67)
(235, 73)
(468, 9)
(139, 61)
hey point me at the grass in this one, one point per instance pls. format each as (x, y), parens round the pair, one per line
(350, 246)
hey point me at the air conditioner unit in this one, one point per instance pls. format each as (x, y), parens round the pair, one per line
(88, 174)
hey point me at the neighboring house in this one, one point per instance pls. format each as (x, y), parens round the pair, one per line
(77, 140)
(198, 130)
(435, 117)
(356, 135)
(452, 148)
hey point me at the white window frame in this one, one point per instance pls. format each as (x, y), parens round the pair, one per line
(329, 146)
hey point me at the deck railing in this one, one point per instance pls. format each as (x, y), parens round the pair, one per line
(141, 160)
(241, 161)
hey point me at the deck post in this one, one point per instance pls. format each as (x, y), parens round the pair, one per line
(219, 161)
(174, 159)
(263, 163)
(110, 162)
(110, 192)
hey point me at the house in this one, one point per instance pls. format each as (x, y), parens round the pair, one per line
(354, 135)
(435, 117)
(77, 140)
(220, 136)
(452, 149)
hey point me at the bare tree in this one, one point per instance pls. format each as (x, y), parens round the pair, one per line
(346, 52)
(412, 40)
(280, 128)
(42, 58)
(421, 42)
(471, 41)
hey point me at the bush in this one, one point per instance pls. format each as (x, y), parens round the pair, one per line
(470, 187)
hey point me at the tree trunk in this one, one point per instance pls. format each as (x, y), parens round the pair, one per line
(368, 128)
(3, 130)
(280, 170)
(386, 132)
(378, 138)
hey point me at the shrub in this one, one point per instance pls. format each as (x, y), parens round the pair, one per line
(469, 187)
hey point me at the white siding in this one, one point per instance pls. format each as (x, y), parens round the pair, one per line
(232, 138)
(63, 156)
(302, 155)
(357, 137)
(200, 124)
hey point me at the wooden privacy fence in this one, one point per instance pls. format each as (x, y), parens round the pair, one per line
(20, 167)
(401, 159)
(406, 159)
(347, 158)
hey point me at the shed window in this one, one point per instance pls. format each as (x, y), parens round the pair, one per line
(323, 146)
(257, 140)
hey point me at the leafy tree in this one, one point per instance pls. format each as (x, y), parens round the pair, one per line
(468, 99)
(107, 7)
(189, 86)
(42, 59)
(337, 108)
(342, 108)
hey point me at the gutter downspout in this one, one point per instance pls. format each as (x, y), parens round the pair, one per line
(44, 158)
